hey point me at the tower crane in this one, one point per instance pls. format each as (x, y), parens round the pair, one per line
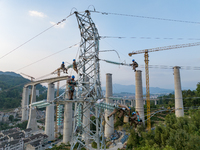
(146, 55)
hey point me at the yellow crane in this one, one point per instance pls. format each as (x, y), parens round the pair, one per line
(146, 55)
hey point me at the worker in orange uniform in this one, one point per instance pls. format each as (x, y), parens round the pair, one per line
(71, 86)
(134, 65)
(63, 67)
(75, 66)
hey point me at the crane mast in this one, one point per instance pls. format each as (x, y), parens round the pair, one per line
(146, 59)
(146, 55)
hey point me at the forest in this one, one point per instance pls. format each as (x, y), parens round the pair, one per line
(11, 90)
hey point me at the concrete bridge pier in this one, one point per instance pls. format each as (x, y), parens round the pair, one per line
(86, 118)
(25, 103)
(49, 119)
(32, 122)
(155, 102)
(109, 126)
(179, 110)
(139, 94)
(67, 123)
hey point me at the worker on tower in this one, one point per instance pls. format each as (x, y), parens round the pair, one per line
(135, 119)
(134, 65)
(71, 86)
(63, 67)
(75, 66)
(122, 109)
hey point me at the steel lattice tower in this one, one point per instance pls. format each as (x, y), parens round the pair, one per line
(89, 86)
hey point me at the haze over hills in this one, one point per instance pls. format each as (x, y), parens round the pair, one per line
(118, 88)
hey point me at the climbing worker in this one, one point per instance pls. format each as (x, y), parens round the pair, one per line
(122, 109)
(71, 86)
(138, 117)
(63, 67)
(75, 66)
(133, 119)
(134, 65)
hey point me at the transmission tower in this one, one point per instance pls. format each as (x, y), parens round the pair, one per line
(89, 87)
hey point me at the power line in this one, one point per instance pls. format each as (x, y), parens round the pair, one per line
(36, 36)
(148, 38)
(145, 17)
(47, 57)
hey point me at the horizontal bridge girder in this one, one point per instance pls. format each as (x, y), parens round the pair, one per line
(50, 80)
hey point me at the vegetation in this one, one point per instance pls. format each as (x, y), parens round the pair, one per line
(178, 133)
(12, 88)
(4, 126)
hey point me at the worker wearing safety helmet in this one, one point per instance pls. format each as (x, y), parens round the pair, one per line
(133, 119)
(134, 64)
(75, 66)
(63, 67)
(71, 86)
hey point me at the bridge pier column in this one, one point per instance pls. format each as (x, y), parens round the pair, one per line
(49, 120)
(179, 110)
(131, 103)
(67, 123)
(32, 122)
(155, 102)
(139, 94)
(25, 103)
(109, 126)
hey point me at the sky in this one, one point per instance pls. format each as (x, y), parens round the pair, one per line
(146, 21)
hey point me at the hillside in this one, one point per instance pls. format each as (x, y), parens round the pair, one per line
(11, 85)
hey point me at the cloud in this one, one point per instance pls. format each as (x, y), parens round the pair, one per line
(36, 14)
(60, 25)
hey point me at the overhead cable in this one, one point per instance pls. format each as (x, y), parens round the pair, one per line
(36, 36)
(148, 38)
(145, 17)
(47, 56)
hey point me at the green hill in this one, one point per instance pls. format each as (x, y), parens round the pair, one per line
(11, 85)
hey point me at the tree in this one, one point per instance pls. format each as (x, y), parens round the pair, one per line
(11, 118)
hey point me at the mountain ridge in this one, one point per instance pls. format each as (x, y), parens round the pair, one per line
(118, 88)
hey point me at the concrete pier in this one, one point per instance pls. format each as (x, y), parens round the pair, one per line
(179, 110)
(155, 102)
(32, 122)
(49, 119)
(67, 123)
(109, 126)
(139, 94)
(86, 123)
(86, 118)
(25, 103)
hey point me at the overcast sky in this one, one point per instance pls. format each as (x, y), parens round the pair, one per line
(21, 20)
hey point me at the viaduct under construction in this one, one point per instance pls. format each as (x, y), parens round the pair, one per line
(78, 112)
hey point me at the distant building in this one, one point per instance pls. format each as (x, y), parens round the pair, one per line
(12, 145)
(1, 116)
(5, 118)
(27, 132)
(36, 145)
(16, 136)
(36, 141)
